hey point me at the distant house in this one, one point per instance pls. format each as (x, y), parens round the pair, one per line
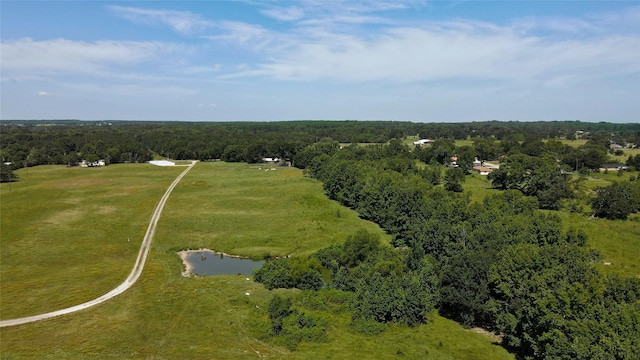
(85, 163)
(477, 162)
(482, 170)
(422, 142)
(615, 147)
(269, 160)
(454, 161)
(612, 167)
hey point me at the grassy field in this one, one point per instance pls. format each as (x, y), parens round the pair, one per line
(72, 226)
(574, 143)
(479, 187)
(627, 152)
(467, 142)
(82, 218)
(617, 241)
(616, 158)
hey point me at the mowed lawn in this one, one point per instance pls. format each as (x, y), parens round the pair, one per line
(234, 208)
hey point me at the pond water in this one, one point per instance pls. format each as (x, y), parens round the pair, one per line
(206, 262)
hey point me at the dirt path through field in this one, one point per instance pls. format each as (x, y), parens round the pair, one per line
(131, 279)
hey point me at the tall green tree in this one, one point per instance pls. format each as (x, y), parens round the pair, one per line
(6, 173)
(453, 179)
(617, 200)
(533, 176)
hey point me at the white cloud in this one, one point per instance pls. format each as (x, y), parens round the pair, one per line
(332, 13)
(27, 57)
(130, 90)
(628, 20)
(557, 25)
(181, 21)
(445, 50)
(290, 13)
(339, 59)
(200, 69)
(44, 93)
(240, 33)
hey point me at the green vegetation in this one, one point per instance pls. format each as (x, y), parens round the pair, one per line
(504, 265)
(166, 315)
(537, 176)
(478, 187)
(554, 283)
(576, 143)
(617, 200)
(71, 234)
(618, 242)
(279, 212)
(7, 174)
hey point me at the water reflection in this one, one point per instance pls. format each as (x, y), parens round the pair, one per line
(206, 262)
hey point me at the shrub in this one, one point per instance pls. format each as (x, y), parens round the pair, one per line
(275, 274)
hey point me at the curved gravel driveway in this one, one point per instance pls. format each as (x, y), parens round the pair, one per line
(131, 279)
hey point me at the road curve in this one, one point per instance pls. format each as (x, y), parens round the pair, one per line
(131, 279)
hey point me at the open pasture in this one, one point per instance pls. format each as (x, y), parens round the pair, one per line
(574, 143)
(617, 241)
(623, 158)
(235, 208)
(255, 211)
(72, 234)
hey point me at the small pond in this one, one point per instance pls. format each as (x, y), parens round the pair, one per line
(207, 262)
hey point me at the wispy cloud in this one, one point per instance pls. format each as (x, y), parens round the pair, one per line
(130, 90)
(181, 21)
(628, 20)
(240, 33)
(556, 25)
(546, 50)
(290, 13)
(25, 57)
(331, 13)
(201, 69)
(365, 52)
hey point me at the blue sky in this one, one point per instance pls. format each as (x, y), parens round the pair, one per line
(422, 61)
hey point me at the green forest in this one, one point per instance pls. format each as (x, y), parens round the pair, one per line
(507, 263)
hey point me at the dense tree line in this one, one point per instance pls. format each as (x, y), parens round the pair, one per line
(30, 143)
(500, 264)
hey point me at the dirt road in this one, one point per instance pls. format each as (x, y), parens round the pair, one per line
(131, 279)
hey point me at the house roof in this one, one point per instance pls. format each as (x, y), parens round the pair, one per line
(482, 169)
(422, 142)
(162, 163)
